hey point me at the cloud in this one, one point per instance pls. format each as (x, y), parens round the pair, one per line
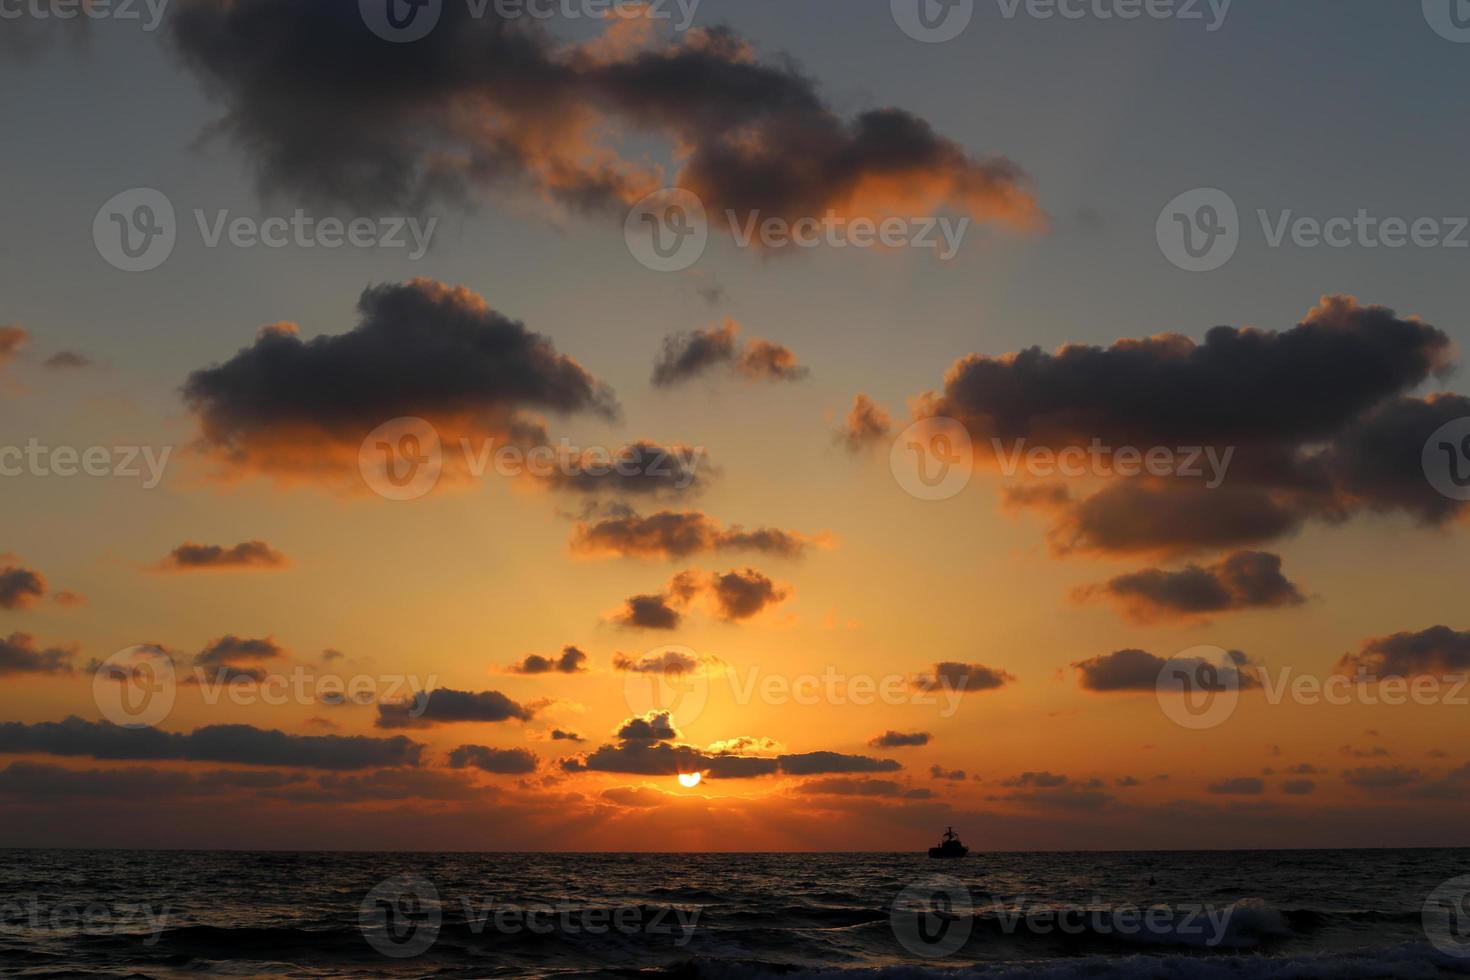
(12, 340)
(32, 781)
(1243, 580)
(1054, 791)
(839, 786)
(571, 661)
(646, 746)
(1316, 421)
(967, 678)
(67, 360)
(679, 534)
(189, 557)
(1381, 777)
(637, 796)
(1139, 670)
(20, 655)
(500, 761)
(561, 735)
(236, 744)
(443, 706)
(893, 740)
(1240, 786)
(667, 661)
(939, 772)
(1298, 787)
(1041, 780)
(693, 353)
(648, 612)
(733, 596)
(746, 744)
(655, 726)
(867, 425)
(229, 649)
(483, 106)
(300, 410)
(1436, 651)
(744, 593)
(640, 469)
(21, 588)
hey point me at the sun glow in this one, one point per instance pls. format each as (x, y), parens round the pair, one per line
(689, 780)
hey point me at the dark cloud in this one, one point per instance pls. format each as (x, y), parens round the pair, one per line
(867, 424)
(21, 588)
(1050, 790)
(1381, 777)
(1240, 786)
(669, 661)
(202, 557)
(744, 593)
(646, 747)
(1244, 580)
(893, 740)
(693, 353)
(571, 661)
(237, 744)
(230, 648)
(1298, 787)
(733, 596)
(559, 735)
(1437, 651)
(329, 112)
(412, 786)
(839, 786)
(443, 706)
(641, 469)
(648, 612)
(301, 409)
(655, 726)
(939, 772)
(31, 781)
(67, 360)
(679, 534)
(19, 654)
(967, 678)
(1316, 419)
(500, 761)
(1040, 780)
(1139, 670)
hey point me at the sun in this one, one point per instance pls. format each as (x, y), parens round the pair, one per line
(689, 780)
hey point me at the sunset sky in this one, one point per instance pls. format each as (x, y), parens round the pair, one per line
(789, 549)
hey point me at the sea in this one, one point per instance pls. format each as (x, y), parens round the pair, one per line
(1063, 916)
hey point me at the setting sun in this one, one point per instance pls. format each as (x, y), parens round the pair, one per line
(689, 780)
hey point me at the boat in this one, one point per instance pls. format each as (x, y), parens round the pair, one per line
(949, 846)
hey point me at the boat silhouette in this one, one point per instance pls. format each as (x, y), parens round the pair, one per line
(949, 846)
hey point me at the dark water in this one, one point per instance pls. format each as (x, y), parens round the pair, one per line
(1281, 914)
